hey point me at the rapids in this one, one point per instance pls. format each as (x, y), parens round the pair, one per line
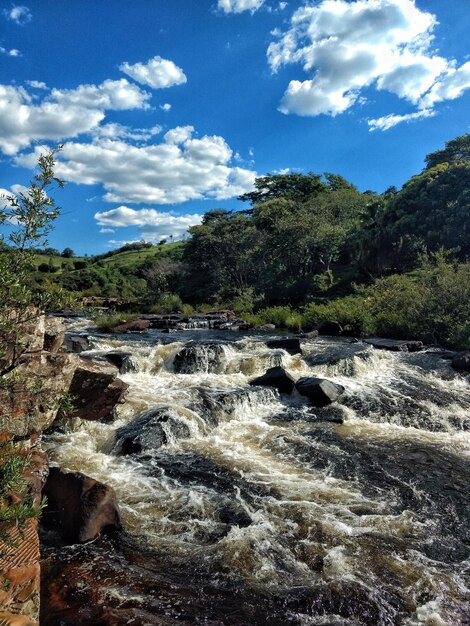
(267, 510)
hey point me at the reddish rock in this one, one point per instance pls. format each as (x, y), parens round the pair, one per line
(96, 391)
(135, 326)
(79, 507)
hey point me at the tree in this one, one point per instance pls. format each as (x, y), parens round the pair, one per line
(455, 150)
(68, 253)
(292, 186)
(26, 219)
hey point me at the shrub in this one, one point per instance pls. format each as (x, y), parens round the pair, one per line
(108, 321)
(351, 312)
(167, 303)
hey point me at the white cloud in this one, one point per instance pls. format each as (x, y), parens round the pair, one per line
(63, 113)
(119, 131)
(157, 73)
(178, 169)
(36, 84)
(107, 230)
(153, 225)
(18, 14)
(238, 6)
(389, 121)
(346, 47)
(10, 53)
(165, 107)
(4, 194)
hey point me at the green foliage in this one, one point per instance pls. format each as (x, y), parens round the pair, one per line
(108, 321)
(296, 187)
(455, 150)
(349, 311)
(14, 462)
(168, 303)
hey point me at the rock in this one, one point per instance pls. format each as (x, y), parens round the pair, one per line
(234, 517)
(461, 361)
(330, 328)
(275, 377)
(134, 326)
(27, 403)
(151, 430)
(96, 391)
(312, 334)
(221, 405)
(170, 330)
(319, 390)
(54, 334)
(207, 357)
(395, 345)
(124, 361)
(77, 343)
(266, 327)
(290, 345)
(79, 507)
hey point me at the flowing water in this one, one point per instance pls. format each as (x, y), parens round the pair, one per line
(246, 507)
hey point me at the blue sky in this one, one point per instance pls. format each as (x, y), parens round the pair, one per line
(170, 108)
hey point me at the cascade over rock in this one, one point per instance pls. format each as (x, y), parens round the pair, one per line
(461, 361)
(204, 356)
(396, 345)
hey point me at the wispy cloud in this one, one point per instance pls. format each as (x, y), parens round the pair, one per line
(19, 14)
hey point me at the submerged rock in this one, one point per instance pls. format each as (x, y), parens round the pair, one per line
(290, 345)
(275, 377)
(151, 430)
(234, 516)
(206, 357)
(225, 404)
(395, 345)
(79, 507)
(461, 361)
(319, 390)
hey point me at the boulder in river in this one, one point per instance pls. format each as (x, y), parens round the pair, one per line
(319, 390)
(275, 377)
(124, 361)
(461, 361)
(96, 391)
(395, 345)
(79, 507)
(77, 343)
(203, 356)
(330, 329)
(290, 344)
(151, 430)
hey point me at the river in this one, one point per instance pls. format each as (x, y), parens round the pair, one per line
(260, 509)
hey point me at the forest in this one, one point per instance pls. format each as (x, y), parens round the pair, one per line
(307, 248)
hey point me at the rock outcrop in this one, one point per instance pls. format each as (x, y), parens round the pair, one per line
(124, 361)
(276, 377)
(79, 507)
(134, 326)
(203, 356)
(290, 345)
(96, 391)
(461, 361)
(151, 430)
(320, 391)
(395, 345)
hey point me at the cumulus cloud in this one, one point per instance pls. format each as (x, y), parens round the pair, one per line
(153, 225)
(346, 47)
(157, 73)
(18, 14)
(165, 107)
(62, 113)
(238, 6)
(119, 131)
(178, 169)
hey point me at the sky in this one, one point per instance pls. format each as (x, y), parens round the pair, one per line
(167, 109)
